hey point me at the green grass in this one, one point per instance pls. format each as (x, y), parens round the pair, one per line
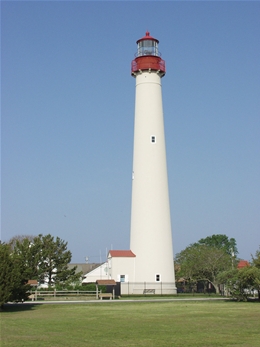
(176, 323)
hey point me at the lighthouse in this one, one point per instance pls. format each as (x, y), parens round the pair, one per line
(150, 232)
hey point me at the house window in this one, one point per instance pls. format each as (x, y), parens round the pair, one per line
(157, 278)
(153, 139)
(122, 278)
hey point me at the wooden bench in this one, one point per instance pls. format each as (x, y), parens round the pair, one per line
(105, 295)
(149, 291)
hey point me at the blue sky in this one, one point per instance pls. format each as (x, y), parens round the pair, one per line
(68, 114)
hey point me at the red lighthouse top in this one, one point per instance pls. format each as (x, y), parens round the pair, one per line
(148, 56)
(147, 37)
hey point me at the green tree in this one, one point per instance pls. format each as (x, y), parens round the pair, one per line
(12, 283)
(46, 259)
(241, 283)
(56, 258)
(256, 263)
(256, 259)
(221, 242)
(200, 262)
(29, 250)
(19, 238)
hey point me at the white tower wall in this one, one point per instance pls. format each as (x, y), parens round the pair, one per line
(151, 236)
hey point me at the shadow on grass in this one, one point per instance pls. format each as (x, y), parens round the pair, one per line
(248, 301)
(18, 307)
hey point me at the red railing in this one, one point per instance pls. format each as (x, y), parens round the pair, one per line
(148, 62)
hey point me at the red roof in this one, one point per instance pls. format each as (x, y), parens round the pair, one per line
(147, 37)
(106, 282)
(242, 263)
(122, 254)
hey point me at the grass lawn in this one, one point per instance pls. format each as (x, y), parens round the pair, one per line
(176, 323)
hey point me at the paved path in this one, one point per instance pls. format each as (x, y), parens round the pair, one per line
(41, 302)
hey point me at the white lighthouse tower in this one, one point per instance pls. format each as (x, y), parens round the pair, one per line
(151, 236)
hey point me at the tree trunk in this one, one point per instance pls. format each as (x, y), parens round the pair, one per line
(49, 278)
(216, 287)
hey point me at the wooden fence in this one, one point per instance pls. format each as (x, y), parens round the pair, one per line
(36, 294)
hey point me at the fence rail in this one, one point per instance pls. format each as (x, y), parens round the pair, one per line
(34, 295)
(144, 288)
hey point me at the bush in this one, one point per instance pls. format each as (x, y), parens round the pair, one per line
(92, 287)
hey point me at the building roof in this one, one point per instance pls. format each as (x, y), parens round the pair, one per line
(33, 282)
(147, 37)
(84, 267)
(243, 263)
(122, 254)
(106, 282)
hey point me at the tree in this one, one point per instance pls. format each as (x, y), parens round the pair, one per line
(241, 283)
(256, 264)
(56, 258)
(12, 283)
(46, 260)
(29, 251)
(256, 259)
(201, 262)
(19, 238)
(221, 242)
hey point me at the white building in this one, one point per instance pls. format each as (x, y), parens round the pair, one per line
(99, 273)
(151, 235)
(148, 265)
(121, 265)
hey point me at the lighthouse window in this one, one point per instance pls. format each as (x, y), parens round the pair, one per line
(153, 139)
(157, 278)
(147, 47)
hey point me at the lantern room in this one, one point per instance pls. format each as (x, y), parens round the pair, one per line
(148, 56)
(147, 46)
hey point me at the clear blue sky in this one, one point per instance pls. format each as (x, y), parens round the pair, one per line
(68, 113)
